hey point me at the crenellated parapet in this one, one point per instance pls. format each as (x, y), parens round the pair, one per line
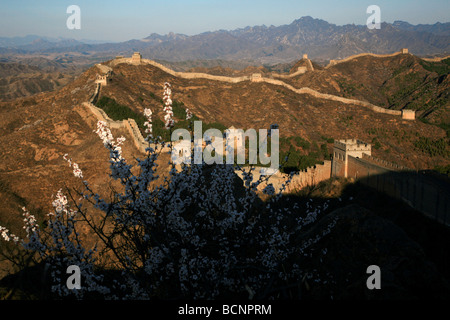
(343, 149)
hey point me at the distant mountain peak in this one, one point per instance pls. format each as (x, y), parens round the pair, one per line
(398, 22)
(306, 18)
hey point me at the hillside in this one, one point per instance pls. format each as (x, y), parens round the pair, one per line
(258, 105)
(397, 82)
(31, 76)
(35, 132)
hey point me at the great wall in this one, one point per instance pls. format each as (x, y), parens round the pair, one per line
(335, 62)
(137, 59)
(300, 70)
(351, 158)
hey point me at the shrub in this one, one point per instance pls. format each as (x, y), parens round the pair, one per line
(376, 143)
(441, 67)
(118, 111)
(324, 151)
(302, 143)
(178, 109)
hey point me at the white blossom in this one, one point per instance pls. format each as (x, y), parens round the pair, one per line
(76, 169)
(188, 114)
(148, 123)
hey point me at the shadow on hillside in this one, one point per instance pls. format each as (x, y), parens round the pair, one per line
(372, 228)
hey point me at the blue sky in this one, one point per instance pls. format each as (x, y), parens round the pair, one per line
(119, 20)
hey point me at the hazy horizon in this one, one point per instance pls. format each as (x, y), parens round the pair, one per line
(116, 21)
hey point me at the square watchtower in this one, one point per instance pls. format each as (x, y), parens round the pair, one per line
(342, 150)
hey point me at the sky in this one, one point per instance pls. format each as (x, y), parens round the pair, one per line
(121, 20)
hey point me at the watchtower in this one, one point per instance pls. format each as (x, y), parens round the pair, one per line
(103, 79)
(342, 150)
(256, 77)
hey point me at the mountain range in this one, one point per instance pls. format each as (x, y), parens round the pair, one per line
(321, 40)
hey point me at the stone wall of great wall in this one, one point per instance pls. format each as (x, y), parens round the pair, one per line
(421, 190)
(184, 75)
(359, 167)
(300, 70)
(308, 177)
(435, 59)
(356, 168)
(138, 139)
(426, 192)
